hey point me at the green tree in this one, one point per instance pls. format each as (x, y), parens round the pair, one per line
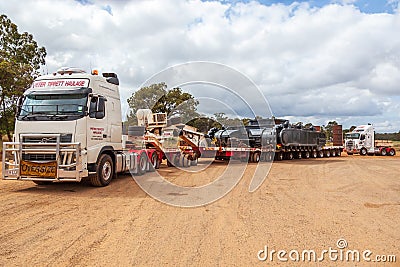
(20, 60)
(156, 97)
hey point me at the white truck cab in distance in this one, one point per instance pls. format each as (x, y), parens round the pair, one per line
(362, 141)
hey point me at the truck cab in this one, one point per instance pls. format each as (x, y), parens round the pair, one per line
(361, 140)
(68, 124)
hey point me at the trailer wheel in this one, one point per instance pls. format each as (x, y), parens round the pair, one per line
(383, 151)
(320, 154)
(279, 156)
(333, 153)
(270, 156)
(104, 171)
(175, 160)
(392, 152)
(299, 155)
(184, 161)
(290, 155)
(314, 154)
(338, 153)
(194, 162)
(363, 151)
(256, 157)
(306, 154)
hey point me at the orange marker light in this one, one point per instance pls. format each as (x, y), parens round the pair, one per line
(95, 72)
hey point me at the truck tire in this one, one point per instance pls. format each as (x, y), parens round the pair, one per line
(306, 154)
(320, 154)
(392, 152)
(363, 151)
(333, 153)
(142, 168)
(104, 171)
(383, 152)
(338, 153)
(154, 162)
(290, 155)
(299, 155)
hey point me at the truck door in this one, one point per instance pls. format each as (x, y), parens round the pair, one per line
(97, 136)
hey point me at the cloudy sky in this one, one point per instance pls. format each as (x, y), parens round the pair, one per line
(314, 61)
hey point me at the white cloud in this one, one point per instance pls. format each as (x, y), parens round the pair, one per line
(311, 63)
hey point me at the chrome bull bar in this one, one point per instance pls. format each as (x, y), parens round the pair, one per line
(66, 155)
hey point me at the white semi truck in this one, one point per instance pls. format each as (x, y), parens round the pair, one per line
(68, 127)
(362, 141)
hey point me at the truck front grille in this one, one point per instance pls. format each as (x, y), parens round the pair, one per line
(64, 138)
(39, 157)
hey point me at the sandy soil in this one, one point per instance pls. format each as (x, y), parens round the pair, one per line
(303, 204)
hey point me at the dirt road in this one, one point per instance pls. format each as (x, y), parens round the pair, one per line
(303, 205)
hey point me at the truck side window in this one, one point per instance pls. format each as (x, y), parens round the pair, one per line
(97, 107)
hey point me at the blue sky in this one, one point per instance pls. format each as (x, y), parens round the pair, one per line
(366, 6)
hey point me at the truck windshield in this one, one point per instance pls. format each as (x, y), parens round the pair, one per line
(352, 136)
(53, 106)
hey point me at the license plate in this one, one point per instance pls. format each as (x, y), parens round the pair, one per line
(38, 169)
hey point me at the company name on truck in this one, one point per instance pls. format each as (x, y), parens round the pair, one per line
(61, 83)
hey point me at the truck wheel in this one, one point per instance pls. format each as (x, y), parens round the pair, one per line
(290, 155)
(104, 171)
(320, 154)
(383, 152)
(307, 154)
(142, 163)
(338, 153)
(392, 152)
(154, 162)
(363, 151)
(299, 155)
(279, 156)
(333, 153)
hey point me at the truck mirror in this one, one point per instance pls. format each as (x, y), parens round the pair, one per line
(19, 105)
(93, 107)
(362, 137)
(97, 107)
(101, 108)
